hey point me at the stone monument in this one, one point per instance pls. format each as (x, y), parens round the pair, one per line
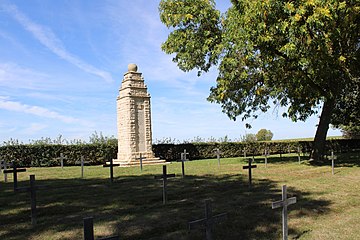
(134, 121)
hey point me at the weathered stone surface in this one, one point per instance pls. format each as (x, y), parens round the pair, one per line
(134, 120)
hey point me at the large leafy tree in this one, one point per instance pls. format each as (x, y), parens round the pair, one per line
(303, 55)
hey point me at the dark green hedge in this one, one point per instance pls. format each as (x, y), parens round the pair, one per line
(45, 155)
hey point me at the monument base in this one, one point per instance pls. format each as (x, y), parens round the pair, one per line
(148, 158)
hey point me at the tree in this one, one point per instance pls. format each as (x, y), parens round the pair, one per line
(248, 137)
(303, 55)
(264, 135)
(352, 132)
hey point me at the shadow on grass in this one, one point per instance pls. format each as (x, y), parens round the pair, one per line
(348, 159)
(132, 207)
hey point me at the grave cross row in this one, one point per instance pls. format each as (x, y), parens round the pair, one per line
(164, 177)
(208, 221)
(250, 167)
(111, 166)
(89, 231)
(32, 189)
(14, 171)
(284, 203)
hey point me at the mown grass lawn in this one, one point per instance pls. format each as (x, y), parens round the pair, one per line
(328, 206)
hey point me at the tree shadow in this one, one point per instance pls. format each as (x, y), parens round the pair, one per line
(132, 207)
(342, 159)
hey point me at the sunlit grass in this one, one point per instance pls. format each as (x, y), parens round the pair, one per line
(328, 206)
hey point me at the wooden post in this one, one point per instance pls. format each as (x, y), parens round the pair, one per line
(111, 166)
(15, 170)
(249, 167)
(332, 162)
(208, 221)
(88, 228)
(33, 199)
(164, 177)
(284, 203)
(299, 158)
(266, 153)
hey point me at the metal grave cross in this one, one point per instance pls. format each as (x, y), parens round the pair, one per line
(217, 152)
(284, 203)
(82, 162)
(164, 177)
(266, 154)
(332, 162)
(141, 158)
(208, 221)
(89, 230)
(183, 159)
(32, 189)
(14, 171)
(4, 165)
(111, 166)
(250, 167)
(61, 158)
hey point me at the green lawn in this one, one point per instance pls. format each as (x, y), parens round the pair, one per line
(328, 206)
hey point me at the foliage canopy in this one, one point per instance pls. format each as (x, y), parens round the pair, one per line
(302, 55)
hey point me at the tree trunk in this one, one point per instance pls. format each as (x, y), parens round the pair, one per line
(322, 129)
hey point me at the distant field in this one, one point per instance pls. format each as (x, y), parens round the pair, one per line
(327, 205)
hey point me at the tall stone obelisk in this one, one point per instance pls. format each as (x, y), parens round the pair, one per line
(134, 119)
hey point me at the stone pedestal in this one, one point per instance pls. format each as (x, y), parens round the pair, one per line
(134, 121)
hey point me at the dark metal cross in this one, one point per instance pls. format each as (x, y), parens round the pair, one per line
(141, 158)
(14, 171)
(89, 230)
(111, 166)
(208, 221)
(164, 177)
(284, 203)
(250, 167)
(32, 189)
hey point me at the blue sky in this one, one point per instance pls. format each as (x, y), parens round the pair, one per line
(62, 63)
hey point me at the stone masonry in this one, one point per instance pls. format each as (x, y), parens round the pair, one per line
(134, 121)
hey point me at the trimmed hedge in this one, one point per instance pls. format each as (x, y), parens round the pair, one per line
(45, 155)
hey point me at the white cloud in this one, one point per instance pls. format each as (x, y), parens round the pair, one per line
(34, 128)
(46, 37)
(34, 110)
(15, 76)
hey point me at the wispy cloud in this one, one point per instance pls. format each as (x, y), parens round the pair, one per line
(47, 37)
(15, 76)
(34, 110)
